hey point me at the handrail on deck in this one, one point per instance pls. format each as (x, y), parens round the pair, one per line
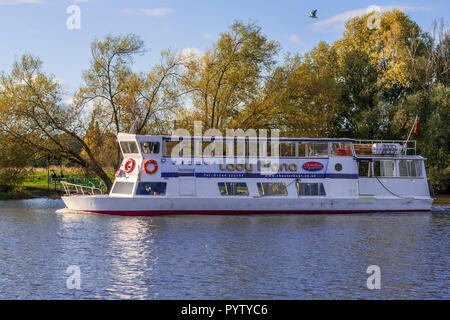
(91, 182)
(72, 188)
(407, 145)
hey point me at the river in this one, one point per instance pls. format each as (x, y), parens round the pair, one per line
(220, 257)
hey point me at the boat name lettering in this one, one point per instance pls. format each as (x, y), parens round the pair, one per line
(261, 166)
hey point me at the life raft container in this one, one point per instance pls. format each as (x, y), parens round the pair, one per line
(146, 163)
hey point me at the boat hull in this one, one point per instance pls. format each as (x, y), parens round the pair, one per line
(239, 206)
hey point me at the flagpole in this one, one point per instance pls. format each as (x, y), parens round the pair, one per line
(410, 132)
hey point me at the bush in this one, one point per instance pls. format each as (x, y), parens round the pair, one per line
(11, 179)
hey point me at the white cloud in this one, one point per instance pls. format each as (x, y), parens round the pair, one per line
(189, 54)
(158, 12)
(337, 22)
(13, 2)
(295, 39)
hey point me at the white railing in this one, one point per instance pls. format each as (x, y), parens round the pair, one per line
(72, 188)
(408, 145)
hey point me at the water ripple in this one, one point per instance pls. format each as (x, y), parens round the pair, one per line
(221, 257)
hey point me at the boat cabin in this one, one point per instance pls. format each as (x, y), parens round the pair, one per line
(165, 166)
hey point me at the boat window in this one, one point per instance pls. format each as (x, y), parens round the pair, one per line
(341, 149)
(150, 147)
(388, 168)
(129, 147)
(182, 148)
(251, 148)
(310, 189)
(268, 148)
(287, 149)
(301, 150)
(267, 189)
(123, 187)
(151, 189)
(410, 168)
(233, 188)
(364, 169)
(384, 168)
(313, 149)
(168, 147)
(213, 148)
(376, 169)
(232, 148)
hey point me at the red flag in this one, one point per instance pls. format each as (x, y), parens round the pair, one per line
(416, 127)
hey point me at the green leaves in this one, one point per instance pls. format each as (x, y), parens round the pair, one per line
(229, 75)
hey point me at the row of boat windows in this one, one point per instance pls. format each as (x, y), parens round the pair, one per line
(268, 189)
(265, 189)
(289, 149)
(390, 168)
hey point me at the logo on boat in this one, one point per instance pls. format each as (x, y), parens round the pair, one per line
(313, 166)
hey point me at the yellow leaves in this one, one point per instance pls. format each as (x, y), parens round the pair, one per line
(386, 47)
(228, 76)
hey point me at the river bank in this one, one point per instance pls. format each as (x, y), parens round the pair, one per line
(442, 200)
(31, 193)
(36, 184)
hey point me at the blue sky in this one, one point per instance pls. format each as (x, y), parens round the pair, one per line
(39, 26)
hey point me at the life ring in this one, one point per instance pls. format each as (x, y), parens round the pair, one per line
(155, 166)
(129, 165)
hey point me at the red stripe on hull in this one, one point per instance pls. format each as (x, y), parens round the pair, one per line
(230, 212)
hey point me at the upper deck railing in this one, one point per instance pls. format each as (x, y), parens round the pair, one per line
(408, 146)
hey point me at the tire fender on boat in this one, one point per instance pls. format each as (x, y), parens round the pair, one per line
(155, 166)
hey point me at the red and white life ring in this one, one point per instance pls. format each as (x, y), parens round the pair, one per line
(129, 165)
(155, 166)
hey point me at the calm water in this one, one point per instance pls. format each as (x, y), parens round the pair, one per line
(221, 257)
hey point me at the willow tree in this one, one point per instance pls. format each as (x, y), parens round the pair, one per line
(119, 96)
(34, 117)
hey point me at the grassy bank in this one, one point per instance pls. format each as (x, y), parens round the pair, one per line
(442, 200)
(36, 184)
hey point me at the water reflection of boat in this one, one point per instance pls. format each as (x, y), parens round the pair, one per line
(288, 175)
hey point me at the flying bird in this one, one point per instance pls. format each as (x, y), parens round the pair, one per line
(312, 14)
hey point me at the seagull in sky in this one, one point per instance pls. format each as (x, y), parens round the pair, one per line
(312, 14)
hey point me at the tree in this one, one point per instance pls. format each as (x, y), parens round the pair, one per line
(13, 162)
(300, 98)
(121, 97)
(229, 75)
(33, 115)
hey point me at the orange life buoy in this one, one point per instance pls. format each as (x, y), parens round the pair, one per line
(129, 165)
(155, 166)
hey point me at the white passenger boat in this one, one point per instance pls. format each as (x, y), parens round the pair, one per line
(295, 175)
